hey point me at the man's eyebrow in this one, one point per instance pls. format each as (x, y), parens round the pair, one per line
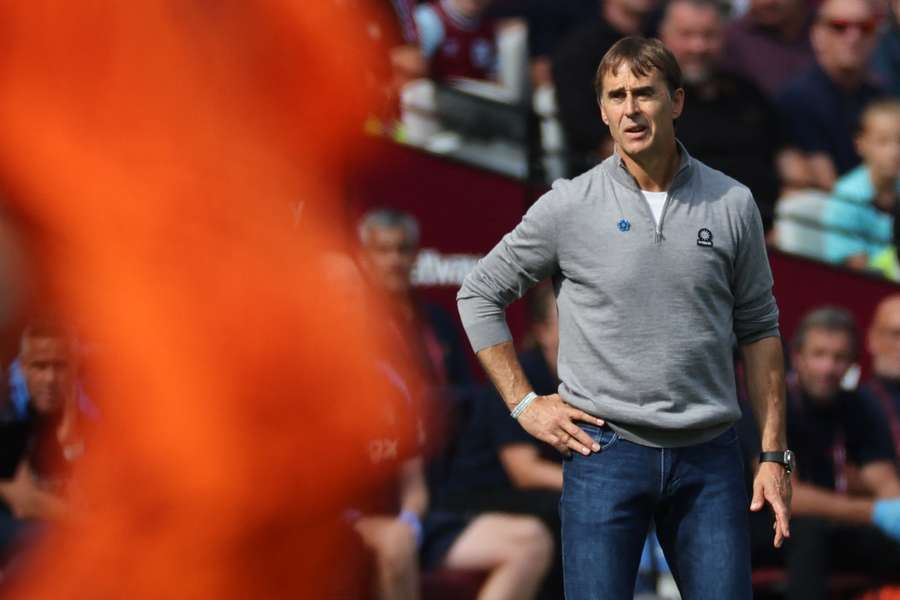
(644, 89)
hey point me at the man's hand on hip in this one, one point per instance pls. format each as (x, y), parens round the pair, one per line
(772, 484)
(551, 420)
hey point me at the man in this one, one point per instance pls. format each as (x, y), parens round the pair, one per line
(846, 494)
(657, 261)
(883, 343)
(516, 551)
(42, 430)
(730, 125)
(770, 44)
(549, 22)
(573, 66)
(820, 109)
(886, 58)
(457, 39)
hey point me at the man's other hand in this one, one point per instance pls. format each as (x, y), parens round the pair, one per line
(773, 485)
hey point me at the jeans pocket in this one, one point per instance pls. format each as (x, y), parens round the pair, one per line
(604, 436)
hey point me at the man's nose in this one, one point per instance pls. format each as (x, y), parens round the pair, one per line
(631, 105)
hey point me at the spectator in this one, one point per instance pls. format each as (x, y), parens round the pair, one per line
(820, 109)
(574, 68)
(43, 435)
(390, 244)
(389, 33)
(549, 22)
(457, 39)
(860, 214)
(883, 343)
(887, 54)
(836, 433)
(770, 44)
(728, 123)
(389, 519)
(515, 550)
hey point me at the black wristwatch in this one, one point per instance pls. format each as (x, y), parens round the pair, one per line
(785, 458)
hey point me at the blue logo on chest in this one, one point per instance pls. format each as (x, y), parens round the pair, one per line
(623, 225)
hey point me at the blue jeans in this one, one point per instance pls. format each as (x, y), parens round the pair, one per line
(697, 497)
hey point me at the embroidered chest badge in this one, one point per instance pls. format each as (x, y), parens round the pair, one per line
(705, 238)
(623, 225)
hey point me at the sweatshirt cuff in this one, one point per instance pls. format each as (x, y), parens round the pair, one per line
(755, 336)
(487, 333)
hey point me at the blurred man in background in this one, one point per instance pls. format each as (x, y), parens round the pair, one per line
(887, 55)
(883, 344)
(43, 430)
(770, 44)
(728, 123)
(515, 550)
(574, 66)
(457, 39)
(820, 109)
(846, 494)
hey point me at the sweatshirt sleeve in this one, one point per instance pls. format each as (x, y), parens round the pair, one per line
(523, 257)
(755, 310)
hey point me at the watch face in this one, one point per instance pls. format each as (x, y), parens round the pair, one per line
(789, 459)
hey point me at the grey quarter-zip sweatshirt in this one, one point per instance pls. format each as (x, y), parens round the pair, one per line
(648, 313)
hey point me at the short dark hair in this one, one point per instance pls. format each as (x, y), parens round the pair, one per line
(47, 327)
(389, 218)
(643, 55)
(828, 318)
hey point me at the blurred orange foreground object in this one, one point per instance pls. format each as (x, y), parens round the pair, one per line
(162, 147)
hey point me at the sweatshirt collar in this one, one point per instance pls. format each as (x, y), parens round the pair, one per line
(615, 167)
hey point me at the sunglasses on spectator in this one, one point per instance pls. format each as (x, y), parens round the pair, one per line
(866, 27)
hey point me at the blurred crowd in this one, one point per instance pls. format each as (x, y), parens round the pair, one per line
(797, 99)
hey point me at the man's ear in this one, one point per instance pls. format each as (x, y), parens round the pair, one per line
(677, 103)
(603, 112)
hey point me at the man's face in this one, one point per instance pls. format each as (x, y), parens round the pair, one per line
(49, 372)
(844, 36)
(694, 35)
(822, 362)
(639, 111)
(773, 13)
(390, 256)
(884, 340)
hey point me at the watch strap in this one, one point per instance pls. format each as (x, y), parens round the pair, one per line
(778, 457)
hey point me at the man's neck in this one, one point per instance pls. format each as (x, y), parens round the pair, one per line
(621, 19)
(653, 174)
(847, 80)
